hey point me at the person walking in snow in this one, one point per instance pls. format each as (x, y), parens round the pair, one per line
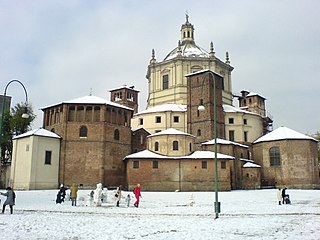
(118, 195)
(73, 194)
(283, 194)
(62, 192)
(128, 199)
(279, 196)
(137, 194)
(11, 198)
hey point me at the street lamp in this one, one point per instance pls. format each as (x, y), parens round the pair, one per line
(24, 115)
(201, 107)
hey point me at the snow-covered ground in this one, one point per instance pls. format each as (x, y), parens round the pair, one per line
(165, 215)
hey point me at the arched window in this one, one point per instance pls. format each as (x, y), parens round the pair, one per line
(83, 132)
(156, 146)
(116, 135)
(175, 145)
(274, 154)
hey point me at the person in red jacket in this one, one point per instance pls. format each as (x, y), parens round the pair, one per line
(137, 194)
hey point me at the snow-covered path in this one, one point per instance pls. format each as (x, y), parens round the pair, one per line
(166, 215)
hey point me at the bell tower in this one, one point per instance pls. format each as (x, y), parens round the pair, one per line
(127, 96)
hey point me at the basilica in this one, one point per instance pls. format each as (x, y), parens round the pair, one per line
(193, 123)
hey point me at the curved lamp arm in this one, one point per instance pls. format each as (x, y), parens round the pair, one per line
(25, 114)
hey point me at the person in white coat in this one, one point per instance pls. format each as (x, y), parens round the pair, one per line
(279, 196)
(118, 195)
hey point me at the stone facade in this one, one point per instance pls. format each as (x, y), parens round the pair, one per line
(298, 167)
(251, 178)
(139, 140)
(165, 166)
(96, 136)
(238, 151)
(181, 174)
(201, 92)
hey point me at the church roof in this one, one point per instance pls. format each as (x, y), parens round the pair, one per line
(38, 132)
(232, 109)
(283, 133)
(124, 86)
(251, 165)
(164, 108)
(195, 155)
(224, 142)
(90, 100)
(170, 131)
(189, 50)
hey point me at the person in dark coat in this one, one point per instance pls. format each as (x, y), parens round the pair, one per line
(11, 197)
(283, 195)
(62, 192)
(59, 199)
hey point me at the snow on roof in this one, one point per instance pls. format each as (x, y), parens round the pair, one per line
(38, 132)
(208, 155)
(251, 94)
(251, 165)
(245, 160)
(203, 71)
(124, 86)
(170, 131)
(164, 108)
(90, 100)
(230, 109)
(282, 133)
(223, 141)
(195, 155)
(189, 50)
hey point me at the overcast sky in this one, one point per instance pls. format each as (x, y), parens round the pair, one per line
(61, 49)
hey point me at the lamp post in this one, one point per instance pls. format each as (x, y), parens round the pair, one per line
(217, 204)
(24, 115)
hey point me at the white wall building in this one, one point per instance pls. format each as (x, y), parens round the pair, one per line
(35, 160)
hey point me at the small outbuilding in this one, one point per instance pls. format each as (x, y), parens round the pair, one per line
(35, 160)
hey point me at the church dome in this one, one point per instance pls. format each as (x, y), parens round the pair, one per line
(189, 50)
(187, 47)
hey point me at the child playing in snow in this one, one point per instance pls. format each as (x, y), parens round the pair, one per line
(128, 199)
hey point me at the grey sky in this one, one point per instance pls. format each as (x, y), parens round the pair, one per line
(62, 49)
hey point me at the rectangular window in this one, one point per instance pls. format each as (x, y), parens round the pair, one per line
(140, 121)
(135, 164)
(27, 148)
(204, 164)
(231, 120)
(175, 145)
(176, 119)
(165, 81)
(245, 134)
(47, 159)
(158, 119)
(223, 164)
(275, 159)
(245, 122)
(231, 135)
(155, 164)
